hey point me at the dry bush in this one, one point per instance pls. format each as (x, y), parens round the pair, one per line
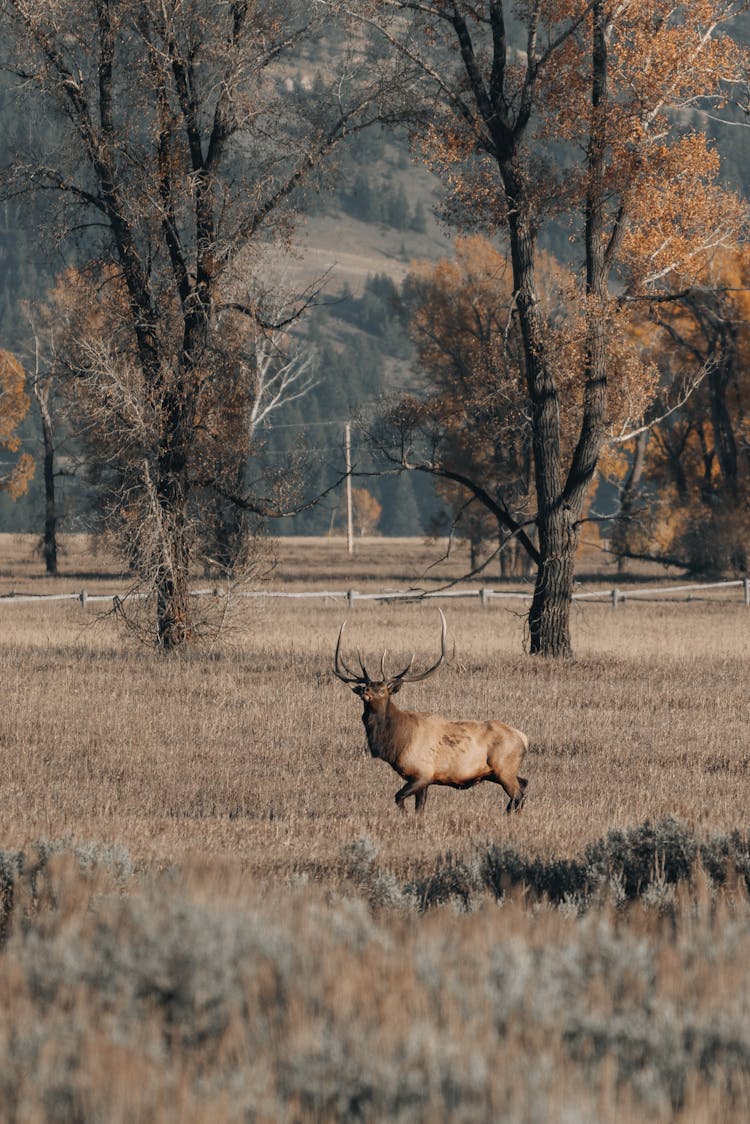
(192, 997)
(256, 934)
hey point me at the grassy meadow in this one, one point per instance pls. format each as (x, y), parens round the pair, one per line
(210, 908)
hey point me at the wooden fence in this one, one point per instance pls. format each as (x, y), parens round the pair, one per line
(487, 596)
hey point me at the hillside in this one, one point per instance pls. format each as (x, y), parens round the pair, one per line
(349, 249)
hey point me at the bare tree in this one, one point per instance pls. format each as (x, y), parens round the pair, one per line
(47, 386)
(274, 370)
(183, 129)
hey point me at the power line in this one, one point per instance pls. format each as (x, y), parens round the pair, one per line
(307, 449)
(304, 425)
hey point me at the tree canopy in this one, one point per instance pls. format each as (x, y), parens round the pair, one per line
(572, 112)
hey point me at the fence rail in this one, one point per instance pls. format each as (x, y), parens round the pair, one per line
(615, 596)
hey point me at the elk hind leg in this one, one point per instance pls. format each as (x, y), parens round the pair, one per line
(420, 799)
(515, 804)
(417, 789)
(515, 787)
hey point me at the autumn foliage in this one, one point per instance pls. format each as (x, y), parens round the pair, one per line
(366, 510)
(14, 405)
(475, 414)
(691, 503)
(659, 186)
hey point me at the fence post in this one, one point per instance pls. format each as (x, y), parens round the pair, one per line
(83, 598)
(350, 595)
(484, 596)
(746, 587)
(615, 597)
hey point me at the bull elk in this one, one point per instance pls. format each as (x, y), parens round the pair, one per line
(426, 749)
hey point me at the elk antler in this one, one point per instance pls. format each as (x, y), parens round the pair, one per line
(404, 677)
(344, 673)
(365, 672)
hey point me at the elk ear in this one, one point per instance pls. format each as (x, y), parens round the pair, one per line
(395, 687)
(359, 689)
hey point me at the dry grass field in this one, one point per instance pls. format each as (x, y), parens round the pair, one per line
(213, 910)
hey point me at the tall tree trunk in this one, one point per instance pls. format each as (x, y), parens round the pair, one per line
(719, 376)
(504, 547)
(49, 540)
(49, 535)
(172, 610)
(173, 617)
(549, 617)
(559, 506)
(628, 494)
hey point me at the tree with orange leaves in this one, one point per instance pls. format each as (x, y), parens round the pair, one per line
(690, 503)
(570, 112)
(471, 424)
(366, 510)
(472, 412)
(14, 405)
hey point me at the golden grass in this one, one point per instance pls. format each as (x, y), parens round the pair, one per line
(238, 782)
(256, 752)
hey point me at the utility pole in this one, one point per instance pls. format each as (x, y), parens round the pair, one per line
(349, 527)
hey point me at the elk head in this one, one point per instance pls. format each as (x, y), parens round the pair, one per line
(376, 692)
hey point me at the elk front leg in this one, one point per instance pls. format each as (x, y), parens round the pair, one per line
(417, 789)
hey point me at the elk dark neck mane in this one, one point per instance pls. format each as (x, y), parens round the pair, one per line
(388, 730)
